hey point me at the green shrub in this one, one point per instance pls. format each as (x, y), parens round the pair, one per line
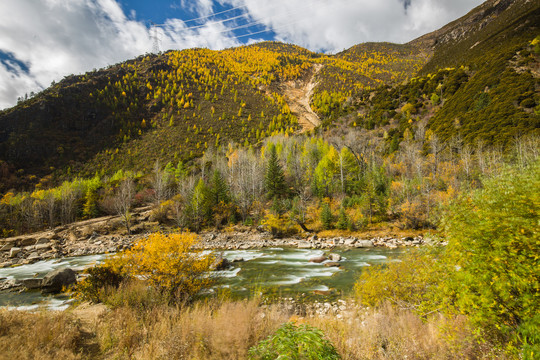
(295, 343)
(407, 283)
(99, 281)
(494, 245)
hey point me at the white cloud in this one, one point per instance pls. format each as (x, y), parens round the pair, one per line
(54, 38)
(334, 25)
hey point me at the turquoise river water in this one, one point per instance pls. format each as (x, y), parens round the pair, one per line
(282, 271)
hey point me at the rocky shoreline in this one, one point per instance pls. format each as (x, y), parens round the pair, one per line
(108, 235)
(262, 239)
(29, 249)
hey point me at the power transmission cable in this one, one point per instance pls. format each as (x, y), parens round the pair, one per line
(243, 26)
(249, 24)
(263, 22)
(218, 13)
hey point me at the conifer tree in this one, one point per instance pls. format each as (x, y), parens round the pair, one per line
(219, 191)
(327, 219)
(343, 219)
(274, 180)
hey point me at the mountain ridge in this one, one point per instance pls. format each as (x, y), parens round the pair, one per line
(174, 106)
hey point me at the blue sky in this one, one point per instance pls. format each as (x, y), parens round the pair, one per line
(44, 40)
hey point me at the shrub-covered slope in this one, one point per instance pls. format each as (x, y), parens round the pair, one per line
(174, 106)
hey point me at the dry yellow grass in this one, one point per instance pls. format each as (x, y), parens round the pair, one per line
(226, 330)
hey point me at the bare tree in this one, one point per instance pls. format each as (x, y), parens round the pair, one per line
(480, 156)
(466, 159)
(50, 200)
(68, 197)
(246, 179)
(124, 200)
(181, 200)
(160, 183)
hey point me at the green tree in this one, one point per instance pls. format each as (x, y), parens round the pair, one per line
(343, 219)
(219, 190)
(199, 205)
(90, 209)
(494, 245)
(274, 180)
(327, 218)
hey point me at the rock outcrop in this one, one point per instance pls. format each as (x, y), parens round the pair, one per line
(58, 279)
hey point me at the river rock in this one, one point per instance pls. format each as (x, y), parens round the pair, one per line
(34, 256)
(71, 237)
(6, 247)
(42, 247)
(317, 259)
(42, 241)
(31, 283)
(14, 251)
(26, 241)
(54, 281)
(304, 245)
(220, 263)
(332, 264)
(364, 244)
(334, 257)
(9, 284)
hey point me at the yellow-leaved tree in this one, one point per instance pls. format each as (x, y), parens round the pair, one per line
(170, 263)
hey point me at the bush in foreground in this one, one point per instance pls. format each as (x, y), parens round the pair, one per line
(295, 342)
(169, 263)
(490, 271)
(494, 247)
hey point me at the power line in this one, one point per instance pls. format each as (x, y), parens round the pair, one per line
(244, 26)
(218, 13)
(215, 22)
(264, 21)
(249, 24)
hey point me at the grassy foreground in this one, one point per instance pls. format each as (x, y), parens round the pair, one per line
(226, 330)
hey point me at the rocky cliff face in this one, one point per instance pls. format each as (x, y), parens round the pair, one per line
(459, 29)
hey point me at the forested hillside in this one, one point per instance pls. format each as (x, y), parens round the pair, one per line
(402, 128)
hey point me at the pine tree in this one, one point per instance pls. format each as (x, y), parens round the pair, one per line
(90, 209)
(343, 219)
(199, 208)
(219, 191)
(327, 219)
(274, 180)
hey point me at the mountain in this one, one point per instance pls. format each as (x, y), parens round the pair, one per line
(476, 78)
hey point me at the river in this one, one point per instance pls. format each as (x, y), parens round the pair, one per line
(282, 271)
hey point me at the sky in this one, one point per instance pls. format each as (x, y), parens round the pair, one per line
(45, 40)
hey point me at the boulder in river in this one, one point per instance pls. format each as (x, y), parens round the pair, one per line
(220, 263)
(332, 264)
(32, 283)
(54, 281)
(334, 257)
(317, 259)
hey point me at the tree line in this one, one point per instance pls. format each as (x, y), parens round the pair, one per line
(290, 184)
